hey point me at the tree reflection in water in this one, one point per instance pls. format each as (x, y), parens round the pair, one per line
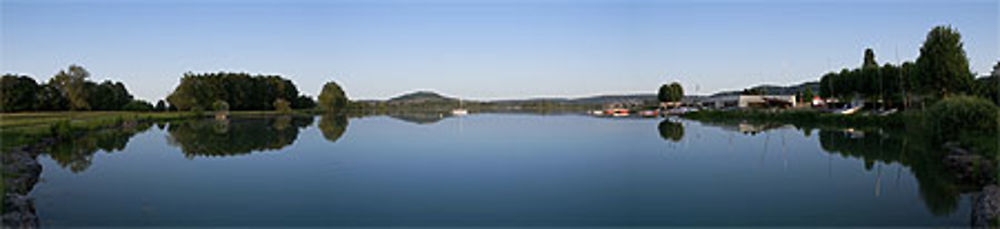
(333, 126)
(77, 152)
(939, 188)
(209, 137)
(671, 131)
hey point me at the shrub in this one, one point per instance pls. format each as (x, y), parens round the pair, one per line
(220, 106)
(957, 115)
(282, 106)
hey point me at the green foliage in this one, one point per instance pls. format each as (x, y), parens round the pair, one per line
(17, 93)
(137, 105)
(955, 116)
(241, 90)
(160, 106)
(283, 106)
(68, 90)
(107, 96)
(49, 98)
(942, 65)
(72, 84)
(332, 98)
(220, 106)
(303, 102)
(672, 92)
(869, 61)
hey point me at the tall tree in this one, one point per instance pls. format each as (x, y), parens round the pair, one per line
(17, 93)
(71, 82)
(332, 98)
(241, 90)
(676, 92)
(942, 65)
(664, 93)
(49, 98)
(672, 92)
(869, 61)
(161, 106)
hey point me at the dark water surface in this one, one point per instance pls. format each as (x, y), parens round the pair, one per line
(491, 170)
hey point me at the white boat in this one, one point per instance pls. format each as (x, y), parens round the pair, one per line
(459, 110)
(849, 110)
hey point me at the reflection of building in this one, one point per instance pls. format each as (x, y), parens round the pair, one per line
(748, 101)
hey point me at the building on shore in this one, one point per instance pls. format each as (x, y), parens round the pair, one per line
(749, 101)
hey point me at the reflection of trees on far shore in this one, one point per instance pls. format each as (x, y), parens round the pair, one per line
(209, 137)
(939, 188)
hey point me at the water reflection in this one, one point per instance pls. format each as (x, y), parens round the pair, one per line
(77, 152)
(333, 126)
(939, 188)
(209, 137)
(421, 118)
(671, 131)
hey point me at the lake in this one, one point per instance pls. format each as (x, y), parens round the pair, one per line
(491, 170)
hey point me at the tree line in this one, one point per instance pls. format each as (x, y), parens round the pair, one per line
(941, 70)
(71, 90)
(240, 91)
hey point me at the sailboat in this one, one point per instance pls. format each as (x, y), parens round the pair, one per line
(459, 110)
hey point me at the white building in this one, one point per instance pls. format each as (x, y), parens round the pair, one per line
(747, 101)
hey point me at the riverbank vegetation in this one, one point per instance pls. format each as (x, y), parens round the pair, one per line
(938, 95)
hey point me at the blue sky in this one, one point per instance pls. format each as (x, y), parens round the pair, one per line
(483, 49)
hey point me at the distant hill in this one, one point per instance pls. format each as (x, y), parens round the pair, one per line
(419, 98)
(777, 90)
(592, 100)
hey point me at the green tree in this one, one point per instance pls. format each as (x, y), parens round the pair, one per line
(161, 106)
(137, 105)
(808, 95)
(672, 92)
(942, 65)
(283, 106)
(241, 90)
(869, 61)
(303, 102)
(71, 83)
(664, 93)
(17, 93)
(49, 98)
(332, 98)
(107, 95)
(220, 106)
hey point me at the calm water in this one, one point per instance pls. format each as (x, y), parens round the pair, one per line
(490, 170)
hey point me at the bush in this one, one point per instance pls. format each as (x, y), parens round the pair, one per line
(957, 115)
(282, 106)
(138, 105)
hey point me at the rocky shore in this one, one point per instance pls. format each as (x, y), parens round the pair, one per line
(978, 171)
(21, 171)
